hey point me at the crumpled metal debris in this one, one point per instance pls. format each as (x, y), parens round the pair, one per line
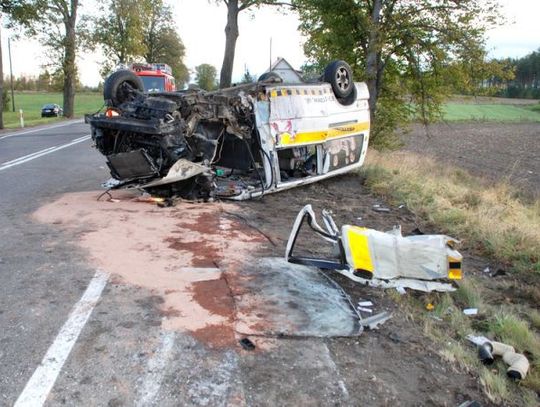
(382, 259)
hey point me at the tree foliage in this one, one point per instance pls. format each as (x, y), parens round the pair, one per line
(163, 44)
(55, 24)
(403, 49)
(137, 31)
(526, 83)
(120, 31)
(206, 77)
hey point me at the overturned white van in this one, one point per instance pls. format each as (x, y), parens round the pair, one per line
(234, 143)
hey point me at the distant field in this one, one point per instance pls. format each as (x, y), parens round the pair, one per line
(32, 102)
(492, 112)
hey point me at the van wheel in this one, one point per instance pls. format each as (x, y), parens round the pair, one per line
(339, 75)
(121, 86)
(349, 100)
(270, 77)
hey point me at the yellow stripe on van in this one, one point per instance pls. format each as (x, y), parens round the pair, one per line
(286, 139)
(359, 249)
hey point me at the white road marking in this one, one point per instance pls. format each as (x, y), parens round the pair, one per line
(156, 369)
(19, 133)
(42, 381)
(41, 153)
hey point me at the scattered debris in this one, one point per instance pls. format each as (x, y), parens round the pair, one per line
(382, 259)
(373, 322)
(401, 290)
(379, 208)
(487, 350)
(363, 309)
(470, 311)
(470, 403)
(487, 270)
(498, 272)
(430, 306)
(247, 344)
(365, 304)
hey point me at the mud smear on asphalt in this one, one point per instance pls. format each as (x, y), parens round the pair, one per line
(174, 252)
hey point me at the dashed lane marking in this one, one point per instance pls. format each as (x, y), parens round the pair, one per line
(41, 153)
(20, 133)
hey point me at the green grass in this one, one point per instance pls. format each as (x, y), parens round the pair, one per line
(32, 102)
(489, 219)
(491, 112)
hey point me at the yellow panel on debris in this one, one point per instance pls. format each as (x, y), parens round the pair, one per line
(359, 249)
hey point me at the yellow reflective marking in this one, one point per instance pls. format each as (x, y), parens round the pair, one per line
(454, 274)
(359, 247)
(287, 139)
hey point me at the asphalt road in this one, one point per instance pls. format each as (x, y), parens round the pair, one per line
(71, 335)
(121, 356)
(39, 284)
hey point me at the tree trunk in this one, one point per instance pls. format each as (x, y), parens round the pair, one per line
(373, 59)
(69, 66)
(1, 83)
(231, 34)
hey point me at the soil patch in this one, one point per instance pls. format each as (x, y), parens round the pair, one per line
(497, 151)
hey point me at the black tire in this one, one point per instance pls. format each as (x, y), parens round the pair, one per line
(118, 87)
(349, 100)
(270, 77)
(339, 75)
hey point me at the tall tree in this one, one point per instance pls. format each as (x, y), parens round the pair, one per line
(54, 22)
(162, 42)
(234, 7)
(206, 76)
(120, 31)
(399, 47)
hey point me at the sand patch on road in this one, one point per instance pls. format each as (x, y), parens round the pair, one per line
(179, 253)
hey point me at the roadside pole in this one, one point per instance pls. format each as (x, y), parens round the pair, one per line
(11, 76)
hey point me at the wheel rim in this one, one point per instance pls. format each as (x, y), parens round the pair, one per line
(342, 79)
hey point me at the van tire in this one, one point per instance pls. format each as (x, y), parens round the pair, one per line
(271, 76)
(115, 93)
(339, 75)
(349, 100)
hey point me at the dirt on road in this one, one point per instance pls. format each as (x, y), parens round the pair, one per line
(496, 151)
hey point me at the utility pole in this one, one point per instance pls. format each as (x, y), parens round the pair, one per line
(270, 65)
(11, 75)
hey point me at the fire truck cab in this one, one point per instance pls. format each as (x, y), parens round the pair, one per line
(155, 77)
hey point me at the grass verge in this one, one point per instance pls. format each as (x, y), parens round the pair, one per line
(32, 102)
(491, 220)
(490, 112)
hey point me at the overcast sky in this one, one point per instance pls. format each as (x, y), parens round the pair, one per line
(201, 24)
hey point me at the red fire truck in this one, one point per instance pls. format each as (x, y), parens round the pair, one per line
(155, 77)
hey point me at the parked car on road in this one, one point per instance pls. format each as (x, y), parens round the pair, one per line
(51, 110)
(237, 143)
